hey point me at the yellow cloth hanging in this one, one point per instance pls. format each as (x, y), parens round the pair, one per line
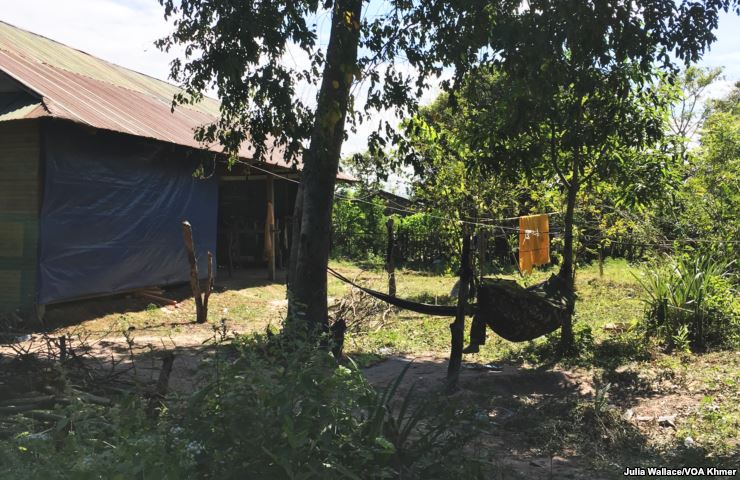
(534, 242)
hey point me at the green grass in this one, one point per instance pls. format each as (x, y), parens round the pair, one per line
(611, 300)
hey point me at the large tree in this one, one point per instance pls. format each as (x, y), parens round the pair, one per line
(575, 94)
(246, 50)
(564, 147)
(242, 50)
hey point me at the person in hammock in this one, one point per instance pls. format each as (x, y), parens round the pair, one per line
(477, 335)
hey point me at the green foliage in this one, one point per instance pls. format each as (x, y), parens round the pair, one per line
(289, 411)
(423, 241)
(690, 110)
(93, 443)
(359, 232)
(691, 302)
(701, 212)
(275, 409)
(427, 242)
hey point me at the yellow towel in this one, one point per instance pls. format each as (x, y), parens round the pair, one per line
(534, 242)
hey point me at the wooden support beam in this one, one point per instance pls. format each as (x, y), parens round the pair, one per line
(270, 240)
(390, 264)
(457, 328)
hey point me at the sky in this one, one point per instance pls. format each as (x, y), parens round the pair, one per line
(123, 32)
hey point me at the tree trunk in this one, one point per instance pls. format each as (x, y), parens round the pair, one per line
(295, 235)
(566, 269)
(307, 298)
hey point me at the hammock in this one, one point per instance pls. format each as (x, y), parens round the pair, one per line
(520, 314)
(515, 313)
(423, 308)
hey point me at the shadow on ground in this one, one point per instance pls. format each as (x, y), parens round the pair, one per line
(543, 423)
(78, 311)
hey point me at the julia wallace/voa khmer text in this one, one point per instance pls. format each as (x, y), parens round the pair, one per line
(679, 472)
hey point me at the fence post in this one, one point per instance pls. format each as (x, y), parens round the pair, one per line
(482, 250)
(457, 328)
(390, 264)
(201, 310)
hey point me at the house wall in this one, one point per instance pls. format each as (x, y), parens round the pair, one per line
(112, 211)
(20, 174)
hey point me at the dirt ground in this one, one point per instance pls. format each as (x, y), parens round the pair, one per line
(505, 398)
(427, 373)
(133, 335)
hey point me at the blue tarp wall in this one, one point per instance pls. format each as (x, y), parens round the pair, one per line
(112, 211)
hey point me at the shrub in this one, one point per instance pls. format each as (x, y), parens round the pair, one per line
(274, 410)
(691, 302)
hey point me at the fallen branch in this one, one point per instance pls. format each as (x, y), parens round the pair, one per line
(27, 400)
(90, 398)
(157, 298)
(16, 409)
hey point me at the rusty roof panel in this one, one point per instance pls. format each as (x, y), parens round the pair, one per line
(103, 95)
(79, 87)
(44, 50)
(15, 106)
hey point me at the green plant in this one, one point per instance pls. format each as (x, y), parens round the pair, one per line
(681, 339)
(601, 399)
(690, 300)
(275, 409)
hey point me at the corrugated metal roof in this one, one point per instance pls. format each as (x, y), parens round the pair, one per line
(76, 86)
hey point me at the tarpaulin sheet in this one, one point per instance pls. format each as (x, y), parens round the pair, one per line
(112, 211)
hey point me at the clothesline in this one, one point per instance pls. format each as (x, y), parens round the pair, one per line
(488, 222)
(481, 222)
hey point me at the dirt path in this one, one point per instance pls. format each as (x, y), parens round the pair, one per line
(513, 457)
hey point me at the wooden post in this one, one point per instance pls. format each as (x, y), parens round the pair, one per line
(270, 227)
(390, 263)
(457, 328)
(201, 302)
(62, 349)
(209, 287)
(601, 260)
(482, 250)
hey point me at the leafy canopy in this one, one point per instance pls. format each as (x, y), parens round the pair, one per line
(244, 51)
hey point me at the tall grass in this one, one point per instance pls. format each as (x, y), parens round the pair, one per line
(691, 302)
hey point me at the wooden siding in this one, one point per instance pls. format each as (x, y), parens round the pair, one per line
(19, 211)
